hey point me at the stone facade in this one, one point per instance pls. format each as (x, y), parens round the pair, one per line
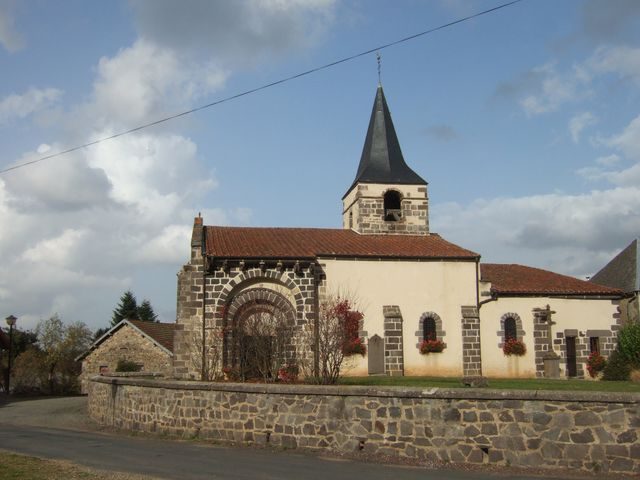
(471, 354)
(128, 344)
(363, 210)
(393, 348)
(590, 431)
(223, 290)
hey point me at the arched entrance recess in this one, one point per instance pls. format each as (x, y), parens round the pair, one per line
(259, 334)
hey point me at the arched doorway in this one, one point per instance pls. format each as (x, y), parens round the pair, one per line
(260, 334)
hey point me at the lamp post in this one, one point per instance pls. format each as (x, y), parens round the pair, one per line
(11, 321)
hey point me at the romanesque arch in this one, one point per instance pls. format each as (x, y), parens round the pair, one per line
(245, 279)
(260, 329)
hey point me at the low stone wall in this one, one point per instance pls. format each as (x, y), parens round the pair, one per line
(594, 432)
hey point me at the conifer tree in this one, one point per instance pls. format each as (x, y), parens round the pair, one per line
(127, 309)
(146, 313)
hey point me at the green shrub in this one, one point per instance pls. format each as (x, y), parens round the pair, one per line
(617, 367)
(128, 366)
(629, 343)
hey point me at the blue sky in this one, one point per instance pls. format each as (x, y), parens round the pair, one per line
(525, 123)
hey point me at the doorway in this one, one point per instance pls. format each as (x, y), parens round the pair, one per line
(572, 366)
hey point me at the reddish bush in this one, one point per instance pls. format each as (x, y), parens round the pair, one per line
(513, 346)
(350, 320)
(288, 374)
(595, 364)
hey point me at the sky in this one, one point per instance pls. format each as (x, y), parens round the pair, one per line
(525, 122)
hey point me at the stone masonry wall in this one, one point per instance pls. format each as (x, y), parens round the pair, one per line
(367, 208)
(471, 356)
(393, 347)
(207, 288)
(590, 431)
(125, 344)
(189, 308)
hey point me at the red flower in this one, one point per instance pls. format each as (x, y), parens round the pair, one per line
(595, 364)
(513, 346)
(431, 346)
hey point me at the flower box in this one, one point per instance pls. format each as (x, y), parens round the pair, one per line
(431, 346)
(514, 347)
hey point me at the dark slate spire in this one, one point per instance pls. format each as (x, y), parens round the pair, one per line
(382, 160)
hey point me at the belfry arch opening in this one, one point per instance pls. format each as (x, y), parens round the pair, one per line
(392, 206)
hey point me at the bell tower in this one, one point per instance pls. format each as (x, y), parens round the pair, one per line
(386, 197)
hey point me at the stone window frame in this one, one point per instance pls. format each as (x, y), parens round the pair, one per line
(520, 333)
(440, 333)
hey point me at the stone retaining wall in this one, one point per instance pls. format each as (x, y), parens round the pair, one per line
(591, 431)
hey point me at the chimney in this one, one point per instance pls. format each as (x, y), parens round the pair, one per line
(196, 236)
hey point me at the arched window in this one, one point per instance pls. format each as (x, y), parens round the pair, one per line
(510, 329)
(392, 206)
(429, 329)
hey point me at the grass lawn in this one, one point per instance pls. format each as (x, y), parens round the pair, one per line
(20, 467)
(497, 383)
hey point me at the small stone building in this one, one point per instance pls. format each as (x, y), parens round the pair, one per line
(148, 344)
(410, 283)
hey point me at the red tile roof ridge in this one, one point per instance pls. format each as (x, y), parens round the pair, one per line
(514, 278)
(297, 242)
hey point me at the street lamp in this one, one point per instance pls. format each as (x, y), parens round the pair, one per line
(11, 321)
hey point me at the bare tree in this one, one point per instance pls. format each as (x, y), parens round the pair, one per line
(263, 343)
(207, 360)
(337, 339)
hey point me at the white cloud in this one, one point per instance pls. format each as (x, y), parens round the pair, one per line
(86, 226)
(58, 250)
(608, 160)
(578, 123)
(237, 33)
(20, 106)
(621, 60)
(567, 233)
(61, 184)
(145, 81)
(555, 89)
(628, 142)
(10, 38)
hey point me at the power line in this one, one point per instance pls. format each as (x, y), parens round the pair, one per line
(262, 87)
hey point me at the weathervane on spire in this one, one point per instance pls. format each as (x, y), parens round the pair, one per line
(378, 58)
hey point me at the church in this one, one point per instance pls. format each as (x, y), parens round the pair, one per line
(411, 285)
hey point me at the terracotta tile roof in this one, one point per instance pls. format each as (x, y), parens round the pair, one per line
(240, 242)
(160, 332)
(511, 279)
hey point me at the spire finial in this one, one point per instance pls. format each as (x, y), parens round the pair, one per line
(379, 58)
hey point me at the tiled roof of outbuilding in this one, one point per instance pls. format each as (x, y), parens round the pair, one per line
(160, 332)
(244, 242)
(512, 279)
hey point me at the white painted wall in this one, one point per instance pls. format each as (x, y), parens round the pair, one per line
(442, 287)
(580, 314)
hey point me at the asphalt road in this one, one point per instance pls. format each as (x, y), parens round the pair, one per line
(59, 429)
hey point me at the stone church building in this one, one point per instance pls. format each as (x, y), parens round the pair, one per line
(410, 283)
